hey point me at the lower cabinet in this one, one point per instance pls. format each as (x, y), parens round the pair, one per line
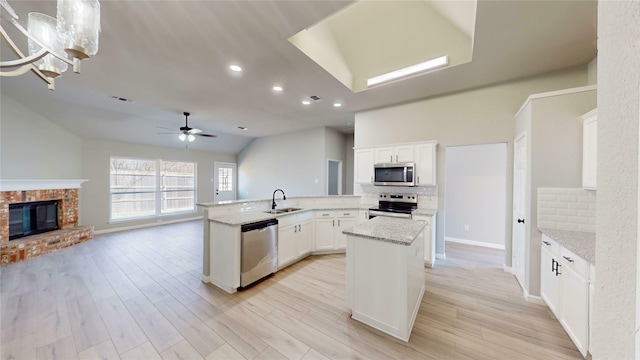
(295, 237)
(429, 238)
(329, 226)
(565, 288)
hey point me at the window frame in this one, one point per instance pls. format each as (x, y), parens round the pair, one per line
(158, 191)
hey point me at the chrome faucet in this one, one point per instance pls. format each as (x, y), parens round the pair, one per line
(273, 199)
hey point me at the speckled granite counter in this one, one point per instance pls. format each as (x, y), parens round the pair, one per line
(399, 231)
(581, 243)
(255, 216)
(424, 212)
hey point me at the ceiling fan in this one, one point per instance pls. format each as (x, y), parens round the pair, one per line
(187, 133)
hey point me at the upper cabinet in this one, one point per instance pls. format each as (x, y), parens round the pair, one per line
(423, 154)
(589, 149)
(396, 154)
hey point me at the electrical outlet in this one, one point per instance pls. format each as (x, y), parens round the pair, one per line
(466, 228)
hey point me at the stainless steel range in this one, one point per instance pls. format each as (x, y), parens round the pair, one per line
(394, 205)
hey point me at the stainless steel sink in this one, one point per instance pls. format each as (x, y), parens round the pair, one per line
(282, 211)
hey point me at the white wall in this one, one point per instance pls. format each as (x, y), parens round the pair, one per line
(476, 191)
(94, 202)
(616, 315)
(335, 149)
(348, 166)
(32, 147)
(292, 162)
(478, 116)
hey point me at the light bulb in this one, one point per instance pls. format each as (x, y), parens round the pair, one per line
(182, 137)
(191, 137)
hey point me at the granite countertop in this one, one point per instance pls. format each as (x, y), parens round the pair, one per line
(394, 230)
(581, 243)
(255, 216)
(424, 212)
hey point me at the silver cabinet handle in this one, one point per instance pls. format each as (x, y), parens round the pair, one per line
(546, 242)
(396, 158)
(299, 228)
(334, 222)
(391, 158)
(338, 222)
(418, 179)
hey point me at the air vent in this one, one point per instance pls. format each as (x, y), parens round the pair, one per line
(114, 97)
(316, 98)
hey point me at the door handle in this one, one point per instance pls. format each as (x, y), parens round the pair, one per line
(520, 221)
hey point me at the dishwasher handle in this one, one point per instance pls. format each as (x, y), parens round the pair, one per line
(258, 225)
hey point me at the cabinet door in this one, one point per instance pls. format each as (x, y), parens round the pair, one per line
(404, 153)
(384, 155)
(343, 223)
(324, 233)
(589, 153)
(549, 281)
(363, 166)
(425, 158)
(304, 241)
(575, 308)
(287, 251)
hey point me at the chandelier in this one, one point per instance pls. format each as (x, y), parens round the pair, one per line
(53, 43)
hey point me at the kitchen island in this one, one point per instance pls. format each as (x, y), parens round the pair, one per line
(385, 273)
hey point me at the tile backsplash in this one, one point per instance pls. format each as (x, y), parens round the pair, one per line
(567, 209)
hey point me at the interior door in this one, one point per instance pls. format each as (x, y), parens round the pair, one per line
(224, 181)
(518, 242)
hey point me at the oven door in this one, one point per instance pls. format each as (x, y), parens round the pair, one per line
(374, 213)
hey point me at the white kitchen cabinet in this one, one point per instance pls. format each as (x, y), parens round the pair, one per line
(425, 159)
(564, 286)
(295, 237)
(589, 149)
(363, 169)
(429, 238)
(363, 215)
(592, 291)
(550, 280)
(396, 154)
(329, 226)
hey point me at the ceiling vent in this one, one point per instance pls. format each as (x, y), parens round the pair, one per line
(316, 98)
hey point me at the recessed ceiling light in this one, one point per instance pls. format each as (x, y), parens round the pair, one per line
(277, 88)
(306, 102)
(409, 70)
(235, 68)
(243, 128)
(337, 104)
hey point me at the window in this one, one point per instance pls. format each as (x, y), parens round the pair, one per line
(225, 179)
(142, 188)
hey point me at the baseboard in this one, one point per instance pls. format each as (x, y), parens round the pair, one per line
(474, 243)
(141, 226)
(532, 298)
(508, 269)
(442, 256)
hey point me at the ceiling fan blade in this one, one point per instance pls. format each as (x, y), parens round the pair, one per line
(170, 133)
(166, 128)
(206, 135)
(194, 131)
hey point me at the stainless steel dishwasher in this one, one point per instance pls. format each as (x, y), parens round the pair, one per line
(258, 251)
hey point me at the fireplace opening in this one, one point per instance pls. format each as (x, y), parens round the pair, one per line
(32, 218)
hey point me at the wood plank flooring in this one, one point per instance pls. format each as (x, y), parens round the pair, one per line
(138, 295)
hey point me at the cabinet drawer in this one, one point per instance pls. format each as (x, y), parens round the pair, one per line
(578, 264)
(346, 213)
(324, 214)
(550, 244)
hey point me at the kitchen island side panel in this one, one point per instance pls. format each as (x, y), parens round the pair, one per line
(224, 243)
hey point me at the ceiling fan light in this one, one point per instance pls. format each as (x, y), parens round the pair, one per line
(182, 137)
(79, 21)
(191, 138)
(43, 28)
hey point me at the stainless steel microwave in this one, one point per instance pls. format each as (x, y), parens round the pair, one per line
(394, 174)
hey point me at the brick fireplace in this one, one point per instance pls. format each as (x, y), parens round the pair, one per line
(69, 233)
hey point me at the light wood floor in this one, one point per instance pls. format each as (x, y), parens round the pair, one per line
(138, 295)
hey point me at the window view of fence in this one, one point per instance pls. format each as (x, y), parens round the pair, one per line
(151, 187)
